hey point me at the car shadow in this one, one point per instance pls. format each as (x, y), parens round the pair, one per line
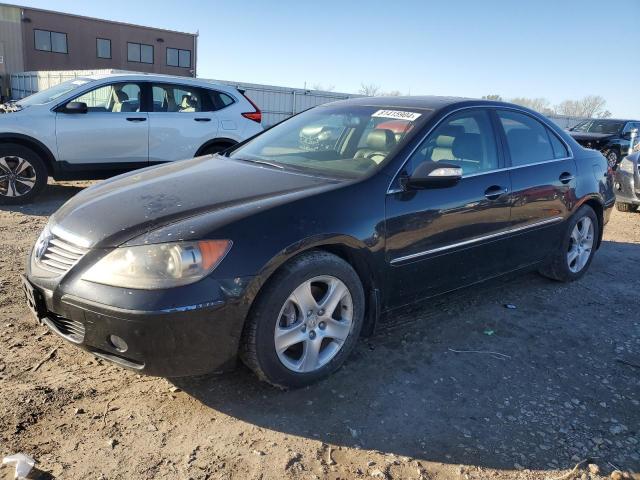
(513, 373)
(50, 200)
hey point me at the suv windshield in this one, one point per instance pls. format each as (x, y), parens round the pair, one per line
(344, 141)
(610, 127)
(50, 94)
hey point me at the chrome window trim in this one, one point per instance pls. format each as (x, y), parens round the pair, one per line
(494, 107)
(471, 241)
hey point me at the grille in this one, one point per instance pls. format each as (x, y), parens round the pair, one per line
(71, 329)
(59, 256)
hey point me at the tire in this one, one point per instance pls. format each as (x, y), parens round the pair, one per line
(23, 174)
(561, 267)
(215, 148)
(613, 157)
(277, 312)
(626, 207)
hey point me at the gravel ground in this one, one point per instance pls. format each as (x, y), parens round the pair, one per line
(562, 387)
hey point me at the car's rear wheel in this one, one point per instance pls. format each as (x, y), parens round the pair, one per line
(305, 322)
(23, 174)
(215, 148)
(626, 207)
(572, 258)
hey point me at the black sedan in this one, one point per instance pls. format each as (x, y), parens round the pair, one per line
(288, 247)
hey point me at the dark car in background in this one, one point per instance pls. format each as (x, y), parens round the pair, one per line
(610, 136)
(286, 248)
(627, 183)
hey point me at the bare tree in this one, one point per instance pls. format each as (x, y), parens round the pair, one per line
(393, 93)
(497, 98)
(589, 106)
(321, 87)
(369, 90)
(539, 104)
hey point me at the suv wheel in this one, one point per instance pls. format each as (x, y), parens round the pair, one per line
(572, 258)
(305, 322)
(23, 174)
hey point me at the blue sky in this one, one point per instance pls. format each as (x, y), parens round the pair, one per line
(558, 49)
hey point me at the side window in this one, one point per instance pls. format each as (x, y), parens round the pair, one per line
(219, 100)
(529, 140)
(180, 99)
(119, 97)
(465, 139)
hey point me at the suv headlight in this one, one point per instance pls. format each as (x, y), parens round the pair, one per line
(626, 165)
(157, 266)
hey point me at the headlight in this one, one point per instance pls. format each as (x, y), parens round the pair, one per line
(626, 165)
(162, 265)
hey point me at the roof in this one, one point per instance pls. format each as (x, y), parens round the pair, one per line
(427, 102)
(141, 76)
(24, 7)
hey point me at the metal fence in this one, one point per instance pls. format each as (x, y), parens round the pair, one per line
(279, 103)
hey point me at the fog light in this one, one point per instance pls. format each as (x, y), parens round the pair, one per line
(118, 343)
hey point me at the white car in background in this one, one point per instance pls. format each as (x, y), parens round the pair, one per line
(99, 126)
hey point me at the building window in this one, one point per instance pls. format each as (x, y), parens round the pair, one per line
(47, 41)
(139, 52)
(103, 48)
(178, 58)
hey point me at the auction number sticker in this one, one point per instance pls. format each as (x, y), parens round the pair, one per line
(397, 114)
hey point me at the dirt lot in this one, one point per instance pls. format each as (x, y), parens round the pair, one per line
(564, 386)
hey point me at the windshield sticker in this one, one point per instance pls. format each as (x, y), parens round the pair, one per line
(397, 114)
(78, 82)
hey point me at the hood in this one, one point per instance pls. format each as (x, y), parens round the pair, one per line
(114, 211)
(583, 136)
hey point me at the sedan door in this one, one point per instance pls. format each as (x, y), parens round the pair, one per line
(113, 133)
(543, 180)
(439, 239)
(182, 119)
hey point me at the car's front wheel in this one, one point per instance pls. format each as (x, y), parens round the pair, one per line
(23, 174)
(305, 322)
(574, 254)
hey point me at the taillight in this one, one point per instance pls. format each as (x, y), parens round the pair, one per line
(255, 116)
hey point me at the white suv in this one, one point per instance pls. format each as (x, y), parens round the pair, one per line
(99, 126)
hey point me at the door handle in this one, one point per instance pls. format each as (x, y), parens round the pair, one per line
(566, 177)
(136, 119)
(202, 119)
(495, 191)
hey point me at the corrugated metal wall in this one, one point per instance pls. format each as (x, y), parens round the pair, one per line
(279, 103)
(27, 83)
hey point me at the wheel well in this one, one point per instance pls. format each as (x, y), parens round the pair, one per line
(37, 147)
(597, 207)
(223, 142)
(369, 285)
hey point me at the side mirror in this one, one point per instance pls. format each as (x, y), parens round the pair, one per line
(434, 175)
(75, 107)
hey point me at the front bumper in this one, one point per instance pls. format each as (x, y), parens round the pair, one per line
(172, 340)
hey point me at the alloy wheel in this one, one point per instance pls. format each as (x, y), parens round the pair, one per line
(612, 159)
(17, 176)
(313, 324)
(580, 244)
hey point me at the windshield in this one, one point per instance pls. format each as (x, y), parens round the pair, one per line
(599, 126)
(50, 94)
(344, 141)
